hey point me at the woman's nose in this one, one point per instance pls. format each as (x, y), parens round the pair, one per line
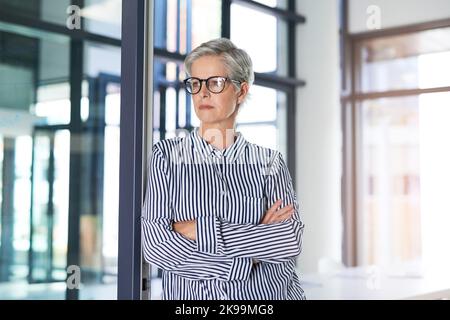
(204, 92)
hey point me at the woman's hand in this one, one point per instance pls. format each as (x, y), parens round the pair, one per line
(187, 228)
(273, 215)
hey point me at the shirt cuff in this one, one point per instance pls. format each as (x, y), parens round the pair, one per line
(207, 234)
(240, 269)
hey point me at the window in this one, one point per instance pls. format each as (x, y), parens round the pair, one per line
(400, 111)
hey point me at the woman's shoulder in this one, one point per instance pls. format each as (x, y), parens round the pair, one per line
(172, 149)
(169, 145)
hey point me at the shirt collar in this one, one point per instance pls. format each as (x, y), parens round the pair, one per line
(207, 150)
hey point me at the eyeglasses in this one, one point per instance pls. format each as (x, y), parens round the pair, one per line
(214, 84)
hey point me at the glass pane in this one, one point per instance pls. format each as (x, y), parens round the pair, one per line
(96, 16)
(406, 61)
(100, 209)
(103, 17)
(171, 105)
(181, 25)
(53, 11)
(261, 105)
(405, 173)
(42, 199)
(206, 17)
(269, 55)
(262, 118)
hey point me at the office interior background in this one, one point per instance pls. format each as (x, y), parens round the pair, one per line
(354, 93)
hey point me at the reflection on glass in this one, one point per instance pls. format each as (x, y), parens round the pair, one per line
(46, 10)
(53, 103)
(110, 228)
(36, 158)
(50, 206)
(103, 17)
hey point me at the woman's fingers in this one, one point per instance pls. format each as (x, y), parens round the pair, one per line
(269, 213)
(285, 215)
(273, 215)
(274, 207)
(284, 210)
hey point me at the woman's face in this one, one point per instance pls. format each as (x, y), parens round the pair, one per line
(216, 108)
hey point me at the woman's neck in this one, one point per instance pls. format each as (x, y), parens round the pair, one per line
(219, 137)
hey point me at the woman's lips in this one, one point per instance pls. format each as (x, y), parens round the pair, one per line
(205, 107)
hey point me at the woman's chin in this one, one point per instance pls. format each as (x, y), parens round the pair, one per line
(208, 119)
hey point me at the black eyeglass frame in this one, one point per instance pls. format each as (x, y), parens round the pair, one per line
(207, 81)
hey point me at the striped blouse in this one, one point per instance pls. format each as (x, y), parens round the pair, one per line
(234, 257)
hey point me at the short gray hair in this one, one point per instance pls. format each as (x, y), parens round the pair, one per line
(237, 62)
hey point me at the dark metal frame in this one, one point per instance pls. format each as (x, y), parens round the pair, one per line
(351, 97)
(131, 149)
(75, 195)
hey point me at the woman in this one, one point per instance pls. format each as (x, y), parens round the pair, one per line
(220, 216)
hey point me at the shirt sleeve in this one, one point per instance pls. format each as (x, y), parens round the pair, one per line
(169, 250)
(273, 243)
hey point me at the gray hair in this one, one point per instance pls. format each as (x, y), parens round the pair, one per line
(237, 62)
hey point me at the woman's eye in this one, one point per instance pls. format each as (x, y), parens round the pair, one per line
(217, 83)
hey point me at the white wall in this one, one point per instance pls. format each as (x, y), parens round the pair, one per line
(319, 133)
(394, 13)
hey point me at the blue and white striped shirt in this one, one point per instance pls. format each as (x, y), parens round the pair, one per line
(228, 192)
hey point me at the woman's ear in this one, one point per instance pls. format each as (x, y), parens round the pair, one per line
(243, 92)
